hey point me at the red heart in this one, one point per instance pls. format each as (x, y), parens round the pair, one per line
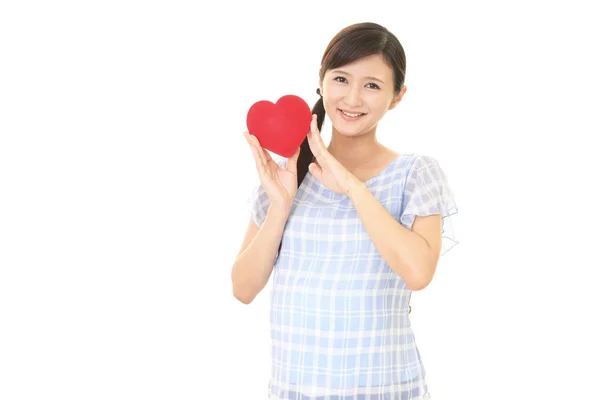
(280, 127)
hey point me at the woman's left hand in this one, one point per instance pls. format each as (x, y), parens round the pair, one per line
(328, 170)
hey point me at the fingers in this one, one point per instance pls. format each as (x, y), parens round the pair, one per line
(316, 170)
(256, 147)
(260, 150)
(261, 164)
(310, 139)
(260, 158)
(317, 135)
(292, 164)
(315, 141)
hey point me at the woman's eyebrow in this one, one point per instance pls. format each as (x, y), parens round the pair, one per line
(339, 71)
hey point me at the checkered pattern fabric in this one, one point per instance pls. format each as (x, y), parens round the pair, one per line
(340, 326)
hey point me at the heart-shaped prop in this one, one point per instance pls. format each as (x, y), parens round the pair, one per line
(280, 127)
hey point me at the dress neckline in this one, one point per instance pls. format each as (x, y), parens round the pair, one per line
(337, 196)
(383, 171)
(377, 175)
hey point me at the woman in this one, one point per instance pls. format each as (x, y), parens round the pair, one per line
(349, 230)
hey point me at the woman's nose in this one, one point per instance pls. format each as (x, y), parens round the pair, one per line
(353, 97)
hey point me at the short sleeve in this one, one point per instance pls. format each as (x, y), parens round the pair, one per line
(427, 192)
(258, 201)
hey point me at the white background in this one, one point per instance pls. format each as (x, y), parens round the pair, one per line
(124, 176)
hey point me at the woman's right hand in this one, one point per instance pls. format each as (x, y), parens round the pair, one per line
(280, 184)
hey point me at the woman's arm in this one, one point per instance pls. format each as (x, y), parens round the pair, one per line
(254, 263)
(413, 255)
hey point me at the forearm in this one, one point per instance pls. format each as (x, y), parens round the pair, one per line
(253, 267)
(407, 253)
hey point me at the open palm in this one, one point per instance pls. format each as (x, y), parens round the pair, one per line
(324, 166)
(280, 184)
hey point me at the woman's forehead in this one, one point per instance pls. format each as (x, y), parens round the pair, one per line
(367, 67)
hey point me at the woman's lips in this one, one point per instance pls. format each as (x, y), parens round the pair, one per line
(349, 118)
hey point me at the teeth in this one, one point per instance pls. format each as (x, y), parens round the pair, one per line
(352, 115)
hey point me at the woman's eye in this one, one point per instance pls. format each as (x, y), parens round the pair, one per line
(341, 79)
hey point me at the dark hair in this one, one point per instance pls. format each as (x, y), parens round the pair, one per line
(348, 45)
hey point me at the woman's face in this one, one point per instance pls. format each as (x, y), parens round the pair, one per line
(364, 87)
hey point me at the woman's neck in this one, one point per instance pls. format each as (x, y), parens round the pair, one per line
(355, 151)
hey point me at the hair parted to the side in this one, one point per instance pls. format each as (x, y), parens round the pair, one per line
(349, 45)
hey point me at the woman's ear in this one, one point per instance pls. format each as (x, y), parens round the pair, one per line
(398, 98)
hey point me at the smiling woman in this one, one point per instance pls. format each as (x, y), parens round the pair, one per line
(352, 94)
(348, 231)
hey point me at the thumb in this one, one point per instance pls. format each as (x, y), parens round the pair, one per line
(315, 170)
(292, 164)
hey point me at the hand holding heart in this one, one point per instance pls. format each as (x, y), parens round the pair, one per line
(280, 184)
(328, 170)
(281, 128)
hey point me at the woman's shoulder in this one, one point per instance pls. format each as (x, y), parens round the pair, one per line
(416, 159)
(412, 161)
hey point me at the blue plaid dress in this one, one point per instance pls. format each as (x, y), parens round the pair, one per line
(339, 316)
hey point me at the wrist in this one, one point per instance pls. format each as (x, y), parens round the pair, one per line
(354, 186)
(278, 212)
